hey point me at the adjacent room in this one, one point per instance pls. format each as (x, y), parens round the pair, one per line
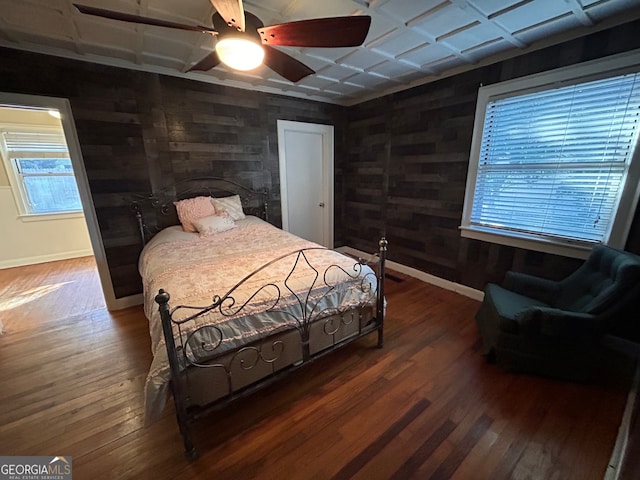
(388, 239)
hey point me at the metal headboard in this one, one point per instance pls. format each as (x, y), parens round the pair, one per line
(253, 201)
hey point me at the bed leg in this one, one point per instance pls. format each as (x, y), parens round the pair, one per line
(380, 338)
(190, 452)
(179, 397)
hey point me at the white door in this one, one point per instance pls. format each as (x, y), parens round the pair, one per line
(306, 180)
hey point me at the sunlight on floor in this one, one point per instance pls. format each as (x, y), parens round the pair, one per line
(27, 296)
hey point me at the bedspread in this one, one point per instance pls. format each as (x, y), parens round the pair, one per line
(194, 269)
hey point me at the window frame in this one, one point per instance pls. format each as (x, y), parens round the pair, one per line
(16, 180)
(615, 65)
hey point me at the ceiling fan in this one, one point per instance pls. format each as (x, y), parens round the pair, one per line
(245, 43)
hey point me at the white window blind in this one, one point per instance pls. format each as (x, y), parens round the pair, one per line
(553, 162)
(41, 164)
(30, 144)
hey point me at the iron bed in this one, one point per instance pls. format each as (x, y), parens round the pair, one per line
(289, 307)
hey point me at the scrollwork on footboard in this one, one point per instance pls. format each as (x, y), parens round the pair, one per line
(300, 307)
(304, 315)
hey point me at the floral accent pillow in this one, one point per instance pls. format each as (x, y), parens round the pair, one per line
(213, 224)
(231, 205)
(192, 209)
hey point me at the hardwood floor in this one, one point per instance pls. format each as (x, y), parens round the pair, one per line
(424, 406)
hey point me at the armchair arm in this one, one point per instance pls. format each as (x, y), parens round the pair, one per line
(552, 322)
(533, 287)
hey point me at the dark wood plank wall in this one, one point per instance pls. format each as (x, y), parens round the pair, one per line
(140, 132)
(406, 167)
(401, 160)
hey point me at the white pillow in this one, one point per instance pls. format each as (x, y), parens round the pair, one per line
(213, 224)
(232, 205)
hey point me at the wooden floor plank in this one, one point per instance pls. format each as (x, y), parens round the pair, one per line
(426, 405)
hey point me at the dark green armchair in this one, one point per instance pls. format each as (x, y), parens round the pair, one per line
(555, 329)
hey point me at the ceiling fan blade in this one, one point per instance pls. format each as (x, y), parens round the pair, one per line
(207, 63)
(318, 32)
(232, 11)
(285, 65)
(127, 17)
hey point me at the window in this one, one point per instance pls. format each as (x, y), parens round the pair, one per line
(552, 161)
(39, 161)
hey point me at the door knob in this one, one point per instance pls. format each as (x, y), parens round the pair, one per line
(321, 204)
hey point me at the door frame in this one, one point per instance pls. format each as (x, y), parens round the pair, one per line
(73, 144)
(326, 131)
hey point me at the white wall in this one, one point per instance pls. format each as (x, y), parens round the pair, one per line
(23, 242)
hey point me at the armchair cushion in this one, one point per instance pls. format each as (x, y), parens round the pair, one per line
(538, 288)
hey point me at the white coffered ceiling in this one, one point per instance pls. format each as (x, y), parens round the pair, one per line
(410, 41)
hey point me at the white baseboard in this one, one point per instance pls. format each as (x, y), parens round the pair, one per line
(125, 302)
(420, 275)
(622, 440)
(19, 262)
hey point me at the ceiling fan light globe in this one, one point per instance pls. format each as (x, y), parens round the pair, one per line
(239, 53)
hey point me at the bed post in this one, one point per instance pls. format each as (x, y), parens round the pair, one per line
(266, 204)
(136, 208)
(380, 300)
(162, 299)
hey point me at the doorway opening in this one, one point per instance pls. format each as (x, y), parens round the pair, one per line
(48, 206)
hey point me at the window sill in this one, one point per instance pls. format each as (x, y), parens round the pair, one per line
(40, 217)
(527, 242)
